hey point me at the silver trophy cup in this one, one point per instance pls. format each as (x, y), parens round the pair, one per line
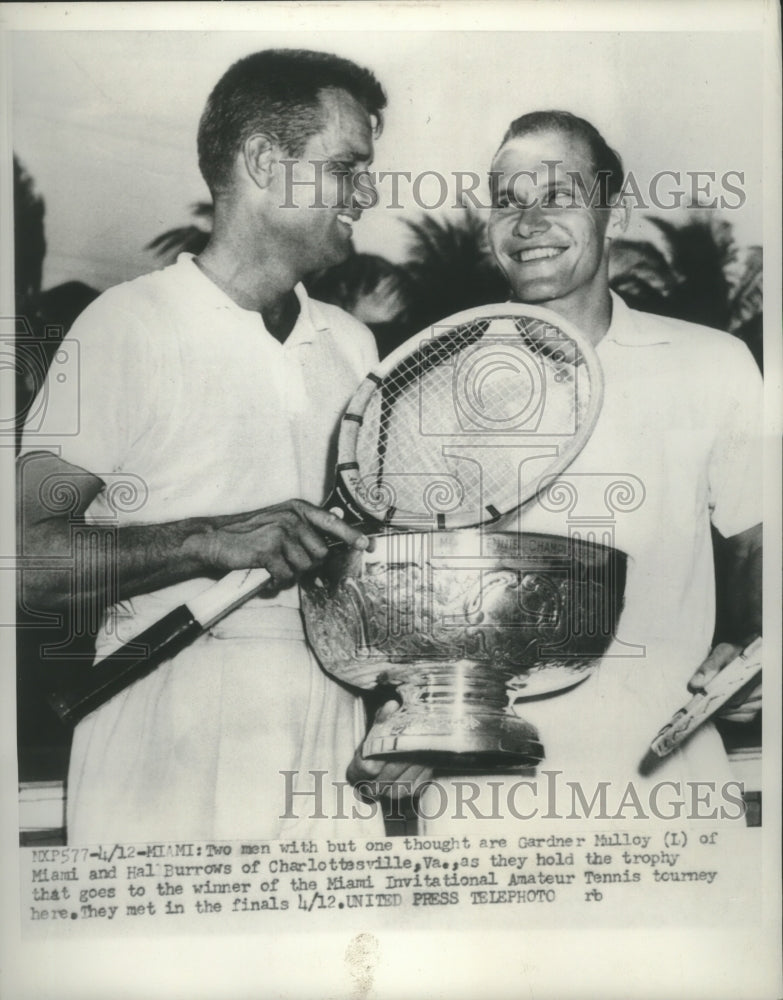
(456, 624)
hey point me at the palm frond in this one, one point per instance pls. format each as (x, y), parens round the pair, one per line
(642, 260)
(747, 293)
(185, 239)
(700, 250)
(203, 210)
(449, 267)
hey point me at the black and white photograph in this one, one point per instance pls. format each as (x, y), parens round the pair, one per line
(392, 396)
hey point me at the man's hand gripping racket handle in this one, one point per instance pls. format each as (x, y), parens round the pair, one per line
(743, 671)
(159, 642)
(178, 629)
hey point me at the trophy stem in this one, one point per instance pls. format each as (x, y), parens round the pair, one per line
(456, 713)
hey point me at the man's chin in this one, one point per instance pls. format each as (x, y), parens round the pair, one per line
(532, 288)
(534, 293)
(336, 255)
(340, 253)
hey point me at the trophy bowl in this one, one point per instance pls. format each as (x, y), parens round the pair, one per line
(459, 625)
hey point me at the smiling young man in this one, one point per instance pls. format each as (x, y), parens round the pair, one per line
(555, 211)
(212, 391)
(676, 450)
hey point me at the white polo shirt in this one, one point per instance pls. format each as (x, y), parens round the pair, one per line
(677, 446)
(189, 407)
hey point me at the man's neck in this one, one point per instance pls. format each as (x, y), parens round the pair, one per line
(589, 311)
(265, 286)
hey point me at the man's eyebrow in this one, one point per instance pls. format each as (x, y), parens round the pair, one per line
(539, 195)
(354, 156)
(508, 182)
(554, 187)
(512, 178)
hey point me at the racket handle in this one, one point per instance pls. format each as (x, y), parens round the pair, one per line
(167, 637)
(742, 670)
(227, 594)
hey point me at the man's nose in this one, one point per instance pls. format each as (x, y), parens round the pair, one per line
(531, 221)
(364, 194)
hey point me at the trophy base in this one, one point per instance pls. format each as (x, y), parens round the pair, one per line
(513, 745)
(456, 715)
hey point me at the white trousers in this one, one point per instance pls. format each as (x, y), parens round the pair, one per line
(197, 749)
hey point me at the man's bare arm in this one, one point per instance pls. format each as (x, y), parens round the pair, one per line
(286, 539)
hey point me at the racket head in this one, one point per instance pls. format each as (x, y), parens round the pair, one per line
(464, 421)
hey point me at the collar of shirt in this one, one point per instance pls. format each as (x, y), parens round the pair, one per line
(630, 328)
(309, 323)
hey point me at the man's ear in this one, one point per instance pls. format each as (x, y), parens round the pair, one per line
(258, 152)
(619, 217)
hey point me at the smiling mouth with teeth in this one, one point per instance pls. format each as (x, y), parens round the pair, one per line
(537, 253)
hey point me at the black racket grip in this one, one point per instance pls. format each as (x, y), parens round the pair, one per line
(113, 674)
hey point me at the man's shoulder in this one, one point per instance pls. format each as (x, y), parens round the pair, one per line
(686, 337)
(141, 295)
(146, 316)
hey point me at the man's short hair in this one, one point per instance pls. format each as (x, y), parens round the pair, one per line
(606, 162)
(277, 92)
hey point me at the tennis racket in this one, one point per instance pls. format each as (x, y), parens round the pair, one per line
(459, 426)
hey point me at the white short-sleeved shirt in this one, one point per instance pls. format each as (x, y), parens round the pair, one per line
(676, 448)
(190, 401)
(189, 407)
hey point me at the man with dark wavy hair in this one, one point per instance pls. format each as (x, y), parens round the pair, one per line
(216, 385)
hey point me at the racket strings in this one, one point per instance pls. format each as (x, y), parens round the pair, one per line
(465, 424)
(410, 372)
